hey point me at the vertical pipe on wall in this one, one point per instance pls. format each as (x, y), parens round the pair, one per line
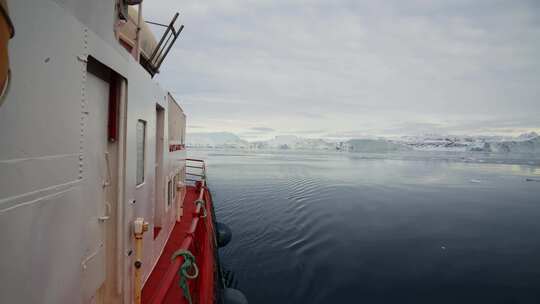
(139, 228)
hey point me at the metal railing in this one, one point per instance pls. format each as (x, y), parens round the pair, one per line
(195, 170)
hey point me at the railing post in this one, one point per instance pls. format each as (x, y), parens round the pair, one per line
(179, 200)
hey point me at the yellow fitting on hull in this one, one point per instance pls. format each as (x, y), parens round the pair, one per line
(139, 228)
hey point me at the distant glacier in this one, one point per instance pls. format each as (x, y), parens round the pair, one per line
(525, 143)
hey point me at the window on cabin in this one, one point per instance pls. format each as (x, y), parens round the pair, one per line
(182, 135)
(174, 187)
(141, 142)
(170, 191)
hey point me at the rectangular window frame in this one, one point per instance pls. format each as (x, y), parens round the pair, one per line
(170, 193)
(140, 159)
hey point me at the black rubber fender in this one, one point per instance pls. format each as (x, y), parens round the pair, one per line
(223, 234)
(234, 296)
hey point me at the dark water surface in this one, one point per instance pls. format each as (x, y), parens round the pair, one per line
(340, 228)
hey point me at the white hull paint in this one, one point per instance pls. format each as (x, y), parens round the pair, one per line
(66, 237)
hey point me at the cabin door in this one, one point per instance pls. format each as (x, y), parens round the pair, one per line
(100, 168)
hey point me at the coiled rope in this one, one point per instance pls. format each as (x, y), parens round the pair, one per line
(203, 207)
(183, 271)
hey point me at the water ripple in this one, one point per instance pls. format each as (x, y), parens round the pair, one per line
(321, 230)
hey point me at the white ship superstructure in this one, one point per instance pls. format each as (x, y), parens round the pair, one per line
(89, 143)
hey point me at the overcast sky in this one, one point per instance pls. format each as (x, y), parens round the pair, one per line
(352, 68)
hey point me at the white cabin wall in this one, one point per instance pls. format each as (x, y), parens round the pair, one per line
(174, 163)
(40, 178)
(142, 96)
(40, 150)
(142, 101)
(97, 15)
(177, 158)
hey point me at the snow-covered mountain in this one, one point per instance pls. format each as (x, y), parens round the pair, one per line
(286, 142)
(520, 145)
(524, 143)
(436, 143)
(374, 146)
(527, 136)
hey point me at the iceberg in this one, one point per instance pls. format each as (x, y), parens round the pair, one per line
(374, 146)
(215, 140)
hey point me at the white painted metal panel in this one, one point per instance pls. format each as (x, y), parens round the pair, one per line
(52, 158)
(40, 192)
(32, 133)
(41, 260)
(95, 176)
(97, 15)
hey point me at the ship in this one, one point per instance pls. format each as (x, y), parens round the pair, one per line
(99, 202)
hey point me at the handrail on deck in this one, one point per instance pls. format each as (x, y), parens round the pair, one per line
(195, 160)
(198, 175)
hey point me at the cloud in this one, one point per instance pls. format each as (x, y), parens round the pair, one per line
(371, 66)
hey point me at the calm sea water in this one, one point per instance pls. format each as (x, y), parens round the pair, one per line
(350, 228)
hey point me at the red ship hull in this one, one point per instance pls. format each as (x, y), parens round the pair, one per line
(195, 232)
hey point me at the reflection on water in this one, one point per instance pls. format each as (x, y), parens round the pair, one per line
(342, 228)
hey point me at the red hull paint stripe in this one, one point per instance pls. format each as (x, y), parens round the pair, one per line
(173, 148)
(114, 93)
